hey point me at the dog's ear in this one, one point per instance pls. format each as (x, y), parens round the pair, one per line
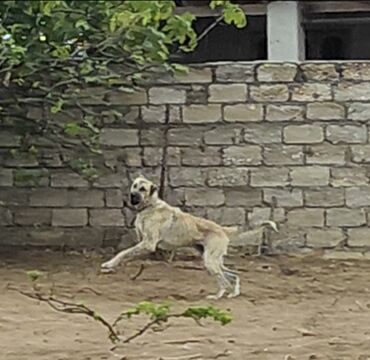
(153, 189)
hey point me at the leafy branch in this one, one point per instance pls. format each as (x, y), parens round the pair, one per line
(158, 314)
(54, 54)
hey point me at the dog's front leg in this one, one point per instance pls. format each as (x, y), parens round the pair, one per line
(140, 249)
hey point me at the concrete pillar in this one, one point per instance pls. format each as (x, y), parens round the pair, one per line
(285, 36)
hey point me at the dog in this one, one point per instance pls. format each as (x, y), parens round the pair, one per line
(160, 225)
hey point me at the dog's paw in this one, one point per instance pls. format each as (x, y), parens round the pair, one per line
(108, 265)
(233, 295)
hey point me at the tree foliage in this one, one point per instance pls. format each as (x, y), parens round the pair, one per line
(50, 51)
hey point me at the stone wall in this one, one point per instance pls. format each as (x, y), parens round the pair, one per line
(234, 142)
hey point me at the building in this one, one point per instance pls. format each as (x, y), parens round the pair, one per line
(284, 31)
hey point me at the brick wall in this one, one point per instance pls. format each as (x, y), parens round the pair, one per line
(229, 142)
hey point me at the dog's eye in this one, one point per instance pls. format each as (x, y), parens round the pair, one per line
(142, 189)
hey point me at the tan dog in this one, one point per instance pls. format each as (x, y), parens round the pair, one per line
(159, 225)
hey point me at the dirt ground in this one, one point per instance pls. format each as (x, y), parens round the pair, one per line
(290, 308)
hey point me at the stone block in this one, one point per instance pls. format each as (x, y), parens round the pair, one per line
(209, 156)
(137, 97)
(173, 156)
(269, 93)
(357, 196)
(8, 139)
(325, 111)
(258, 215)
(6, 177)
(346, 134)
(6, 217)
(110, 181)
(345, 217)
(284, 112)
(49, 197)
(235, 73)
(152, 156)
(166, 95)
(69, 217)
(201, 114)
(343, 255)
(262, 134)
(283, 155)
(85, 198)
(64, 179)
(242, 155)
(320, 72)
(269, 177)
(222, 136)
(243, 113)
(226, 93)
(31, 177)
(245, 198)
(186, 176)
(227, 216)
(276, 72)
(195, 75)
(185, 137)
(283, 197)
(348, 91)
(20, 160)
(114, 198)
(197, 94)
(175, 116)
(324, 197)
(303, 134)
(325, 238)
(204, 197)
(344, 177)
(227, 177)
(306, 217)
(76, 238)
(356, 71)
(153, 114)
(360, 153)
(119, 137)
(311, 92)
(359, 237)
(14, 196)
(310, 176)
(106, 217)
(153, 137)
(32, 216)
(359, 111)
(326, 154)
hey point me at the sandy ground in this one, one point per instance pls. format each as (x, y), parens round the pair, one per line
(290, 308)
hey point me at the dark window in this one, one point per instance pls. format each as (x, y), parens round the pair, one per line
(337, 36)
(227, 43)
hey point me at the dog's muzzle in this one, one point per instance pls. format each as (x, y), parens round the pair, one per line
(135, 199)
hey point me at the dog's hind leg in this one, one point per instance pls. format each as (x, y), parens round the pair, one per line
(234, 277)
(213, 265)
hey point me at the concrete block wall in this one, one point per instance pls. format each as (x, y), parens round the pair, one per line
(234, 142)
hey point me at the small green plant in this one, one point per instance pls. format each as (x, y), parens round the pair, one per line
(34, 275)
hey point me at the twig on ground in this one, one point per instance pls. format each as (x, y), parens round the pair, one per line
(83, 289)
(133, 278)
(68, 307)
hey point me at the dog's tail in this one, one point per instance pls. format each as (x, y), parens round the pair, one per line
(233, 230)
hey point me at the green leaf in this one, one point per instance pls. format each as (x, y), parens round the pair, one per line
(57, 106)
(72, 129)
(180, 68)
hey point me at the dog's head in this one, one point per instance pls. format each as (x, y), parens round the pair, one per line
(143, 193)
